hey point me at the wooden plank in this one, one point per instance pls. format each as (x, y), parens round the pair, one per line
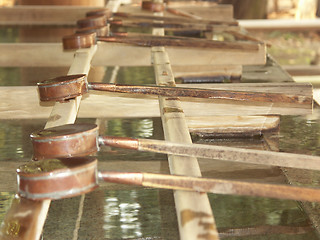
(228, 71)
(216, 12)
(270, 72)
(42, 15)
(188, 204)
(302, 70)
(30, 54)
(281, 24)
(232, 126)
(299, 89)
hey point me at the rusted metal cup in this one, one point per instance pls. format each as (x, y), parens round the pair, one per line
(63, 88)
(93, 21)
(71, 140)
(57, 178)
(77, 41)
(152, 6)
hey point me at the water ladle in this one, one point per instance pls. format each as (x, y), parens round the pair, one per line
(70, 86)
(100, 18)
(125, 15)
(63, 178)
(86, 40)
(73, 140)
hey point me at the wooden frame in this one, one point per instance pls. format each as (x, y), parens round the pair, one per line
(175, 121)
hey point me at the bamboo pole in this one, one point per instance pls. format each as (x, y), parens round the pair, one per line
(188, 204)
(281, 24)
(29, 217)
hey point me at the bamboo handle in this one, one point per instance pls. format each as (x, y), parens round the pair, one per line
(211, 185)
(216, 152)
(202, 93)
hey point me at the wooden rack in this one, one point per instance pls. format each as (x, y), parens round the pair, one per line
(179, 118)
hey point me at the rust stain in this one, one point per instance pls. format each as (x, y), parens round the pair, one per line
(171, 84)
(208, 236)
(165, 73)
(54, 118)
(207, 226)
(173, 99)
(172, 110)
(189, 215)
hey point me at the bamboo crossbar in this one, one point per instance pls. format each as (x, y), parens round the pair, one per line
(175, 129)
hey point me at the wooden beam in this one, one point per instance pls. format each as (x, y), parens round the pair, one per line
(111, 54)
(228, 71)
(232, 126)
(42, 15)
(281, 24)
(205, 10)
(23, 103)
(176, 130)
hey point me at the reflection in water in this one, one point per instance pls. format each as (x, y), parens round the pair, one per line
(300, 135)
(5, 202)
(253, 218)
(131, 214)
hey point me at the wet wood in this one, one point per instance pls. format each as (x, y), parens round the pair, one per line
(26, 55)
(232, 126)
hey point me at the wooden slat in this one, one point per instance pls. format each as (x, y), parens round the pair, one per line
(281, 24)
(188, 204)
(233, 71)
(42, 15)
(216, 12)
(31, 54)
(232, 126)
